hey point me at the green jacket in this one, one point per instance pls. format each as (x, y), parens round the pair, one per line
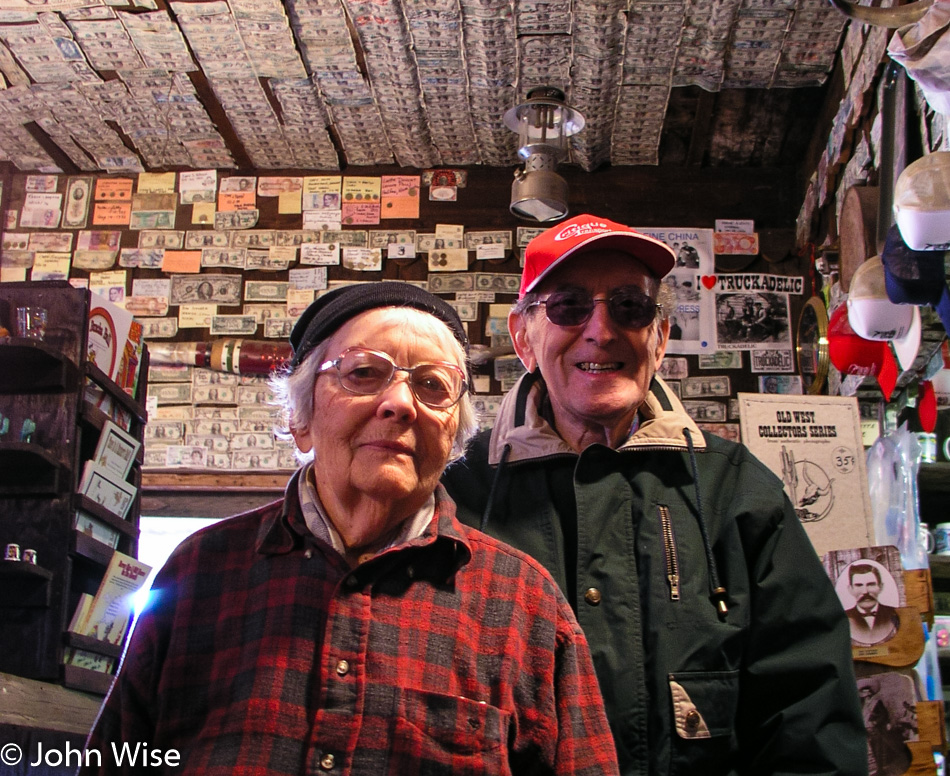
(766, 688)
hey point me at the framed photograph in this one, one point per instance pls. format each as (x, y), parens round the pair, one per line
(96, 483)
(116, 451)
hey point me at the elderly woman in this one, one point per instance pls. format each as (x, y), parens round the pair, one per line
(356, 627)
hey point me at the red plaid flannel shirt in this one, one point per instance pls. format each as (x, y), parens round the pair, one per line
(262, 652)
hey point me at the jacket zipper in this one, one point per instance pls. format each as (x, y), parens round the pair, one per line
(669, 546)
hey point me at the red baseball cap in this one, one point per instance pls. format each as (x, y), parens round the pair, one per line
(853, 355)
(585, 233)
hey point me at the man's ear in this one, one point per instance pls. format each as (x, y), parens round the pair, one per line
(518, 329)
(303, 439)
(662, 340)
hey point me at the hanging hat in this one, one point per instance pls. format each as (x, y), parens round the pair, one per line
(851, 354)
(873, 316)
(922, 202)
(915, 277)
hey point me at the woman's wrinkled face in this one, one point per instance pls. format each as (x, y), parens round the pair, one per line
(388, 447)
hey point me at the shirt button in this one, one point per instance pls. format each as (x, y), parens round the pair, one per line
(693, 719)
(592, 596)
(342, 668)
(410, 572)
(308, 553)
(327, 762)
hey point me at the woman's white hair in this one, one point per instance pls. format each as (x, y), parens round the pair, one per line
(293, 388)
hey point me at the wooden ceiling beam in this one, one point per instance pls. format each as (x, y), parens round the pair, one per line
(702, 125)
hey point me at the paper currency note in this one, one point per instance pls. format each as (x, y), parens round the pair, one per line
(172, 393)
(148, 258)
(474, 239)
(708, 411)
(82, 259)
(451, 283)
(168, 430)
(216, 413)
(721, 359)
(431, 242)
(791, 384)
(236, 219)
(254, 459)
(265, 290)
(264, 311)
(256, 411)
(673, 368)
(233, 325)
(253, 238)
(278, 328)
(149, 219)
(223, 257)
(253, 394)
(186, 456)
(214, 394)
(154, 457)
(215, 289)
(500, 283)
(219, 460)
(258, 441)
(170, 373)
(197, 239)
(161, 238)
(356, 238)
(716, 385)
(382, 238)
(216, 442)
(467, 311)
(211, 377)
(147, 305)
(508, 368)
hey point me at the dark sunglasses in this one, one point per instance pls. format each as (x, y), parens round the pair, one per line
(629, 308)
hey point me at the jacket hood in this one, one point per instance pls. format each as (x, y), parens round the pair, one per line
(521, 425)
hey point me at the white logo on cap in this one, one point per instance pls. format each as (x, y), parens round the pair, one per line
(579, 230)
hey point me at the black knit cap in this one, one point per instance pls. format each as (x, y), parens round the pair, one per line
(330, 311)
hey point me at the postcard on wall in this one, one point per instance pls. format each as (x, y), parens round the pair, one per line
(116, 450)
(692, 320)
(869, 582)
(813, 443)
(101, 486)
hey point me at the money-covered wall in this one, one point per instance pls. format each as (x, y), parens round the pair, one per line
(199, 256)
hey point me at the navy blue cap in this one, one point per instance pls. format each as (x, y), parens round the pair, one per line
(330, 311)
(915, 277)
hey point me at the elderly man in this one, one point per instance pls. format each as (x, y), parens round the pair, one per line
(355, 626)
(719, 642)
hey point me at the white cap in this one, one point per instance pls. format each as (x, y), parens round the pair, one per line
(875, 317)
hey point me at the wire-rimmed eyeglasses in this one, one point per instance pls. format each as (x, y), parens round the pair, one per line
(367, 372)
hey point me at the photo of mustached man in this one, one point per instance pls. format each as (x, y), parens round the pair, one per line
(871, 621)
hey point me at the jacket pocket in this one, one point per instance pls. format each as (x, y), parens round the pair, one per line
(448, 734)
(704, 707)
